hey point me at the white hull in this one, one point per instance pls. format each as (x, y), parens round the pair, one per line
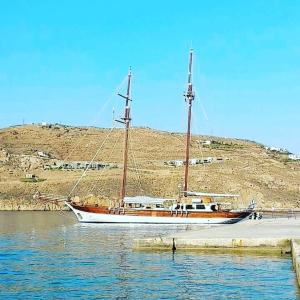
(88, 217)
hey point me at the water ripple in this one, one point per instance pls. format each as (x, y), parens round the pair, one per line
(44, 255)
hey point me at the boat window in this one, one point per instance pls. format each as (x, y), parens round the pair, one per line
(214, 207)
(189, 206)
(200, 206)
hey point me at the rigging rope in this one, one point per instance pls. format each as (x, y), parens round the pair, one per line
(201, 105)
(93, 159)
(96, 118)
(135, 166)
(36, 190)
(200, 146)
(110, 155)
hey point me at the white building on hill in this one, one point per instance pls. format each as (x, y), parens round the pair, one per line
(294, 157)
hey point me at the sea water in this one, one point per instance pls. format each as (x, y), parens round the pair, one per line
(46, 255)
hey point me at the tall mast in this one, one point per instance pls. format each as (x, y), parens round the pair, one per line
(126, 121)
(189, 97)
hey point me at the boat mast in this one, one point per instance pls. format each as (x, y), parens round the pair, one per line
(189, 97)
(126, 121)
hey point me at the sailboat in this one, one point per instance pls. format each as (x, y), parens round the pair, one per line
(201, 208)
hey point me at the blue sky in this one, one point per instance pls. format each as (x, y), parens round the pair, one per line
(61, 61)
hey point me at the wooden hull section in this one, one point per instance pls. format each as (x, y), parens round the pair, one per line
(94, 214)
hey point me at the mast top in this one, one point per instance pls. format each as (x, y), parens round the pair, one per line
(127, 97)
(189, 96)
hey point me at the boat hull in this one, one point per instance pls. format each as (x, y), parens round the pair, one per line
(86, 215)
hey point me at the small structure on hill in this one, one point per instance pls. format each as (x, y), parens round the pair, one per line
(43, 154)
(46, 125)
(29, 177)
(193, 161)
(206, 143)
(278, 150)
(294, 157)
(77, 165)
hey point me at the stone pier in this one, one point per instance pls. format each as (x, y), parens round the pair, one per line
(256, 236)
(251, 235)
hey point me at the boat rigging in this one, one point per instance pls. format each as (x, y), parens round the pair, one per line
(203, 208)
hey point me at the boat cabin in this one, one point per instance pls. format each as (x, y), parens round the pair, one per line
(204, 202)
(196, 205)
(145, 202)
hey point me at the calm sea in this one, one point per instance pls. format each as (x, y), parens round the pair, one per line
(45, 255)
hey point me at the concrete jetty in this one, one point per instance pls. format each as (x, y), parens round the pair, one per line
(251, 235)
(256, 236)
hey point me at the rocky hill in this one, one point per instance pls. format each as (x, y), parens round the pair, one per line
(221, 165)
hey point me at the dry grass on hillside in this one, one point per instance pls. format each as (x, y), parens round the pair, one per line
(247, 168)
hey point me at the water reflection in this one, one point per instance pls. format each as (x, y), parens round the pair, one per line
(46, 255)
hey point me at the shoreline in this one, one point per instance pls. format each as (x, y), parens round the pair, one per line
(33, 205)
(30, 205)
